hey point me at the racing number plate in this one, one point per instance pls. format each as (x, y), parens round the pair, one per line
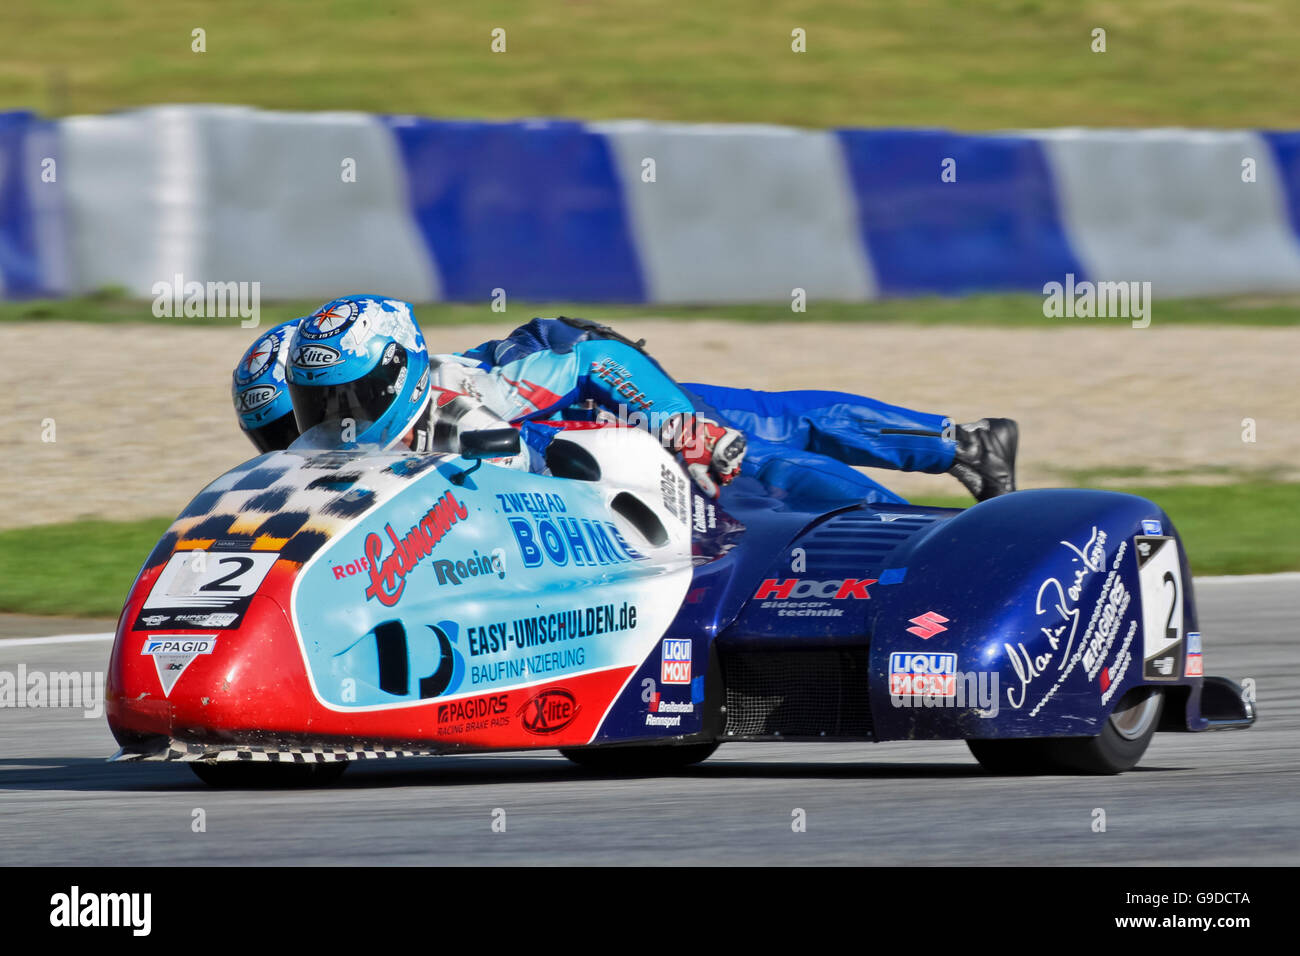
(205, 589)
(1160, 579)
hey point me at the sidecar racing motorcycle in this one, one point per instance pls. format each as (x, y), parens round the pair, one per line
(317, 606)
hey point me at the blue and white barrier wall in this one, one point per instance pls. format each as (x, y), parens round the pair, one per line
(316, 204)
(33, 243)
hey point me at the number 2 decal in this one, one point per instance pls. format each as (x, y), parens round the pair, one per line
(244, 564)
(227, 581)
(1163, 605)
(1172, 629)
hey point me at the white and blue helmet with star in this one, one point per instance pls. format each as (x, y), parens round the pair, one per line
(360, 359)
(260, 392)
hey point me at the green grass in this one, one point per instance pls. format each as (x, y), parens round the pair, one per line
(966, 64)
(81, 568)
(1000, 310)
(85, 568)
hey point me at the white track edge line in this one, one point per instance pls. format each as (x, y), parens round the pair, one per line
(54, 639)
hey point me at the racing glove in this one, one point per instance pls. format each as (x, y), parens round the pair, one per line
(711, 452)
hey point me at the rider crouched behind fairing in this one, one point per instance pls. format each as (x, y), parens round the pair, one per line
(362, 359)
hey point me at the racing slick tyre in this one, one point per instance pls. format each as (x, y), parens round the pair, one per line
(640, 759)
(1010, 757)
(247, 775)
(1119, 746)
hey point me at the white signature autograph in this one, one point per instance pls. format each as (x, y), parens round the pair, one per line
(1065, 624)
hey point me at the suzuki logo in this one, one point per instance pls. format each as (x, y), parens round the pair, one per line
(927, 625)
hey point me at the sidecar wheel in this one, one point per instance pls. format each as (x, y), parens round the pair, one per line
(640, 759)
(1120, 745)
(1008, 758)
(249, 775)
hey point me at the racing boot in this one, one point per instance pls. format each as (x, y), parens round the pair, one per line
(986, 457)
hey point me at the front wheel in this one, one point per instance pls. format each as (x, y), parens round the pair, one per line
(660, 759)
(1120, 745)
(259, 775)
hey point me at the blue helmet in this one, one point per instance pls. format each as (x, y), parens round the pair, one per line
(260, 393)
(360, 358)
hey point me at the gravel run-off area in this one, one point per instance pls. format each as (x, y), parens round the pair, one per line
(142, 417)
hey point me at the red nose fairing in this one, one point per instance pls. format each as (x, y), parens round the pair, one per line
(190, 693)
(238, 641)
(210, 685)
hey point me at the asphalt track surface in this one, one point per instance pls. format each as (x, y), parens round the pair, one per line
(1226, 798)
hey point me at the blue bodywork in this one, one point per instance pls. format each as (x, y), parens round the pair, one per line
(1032, 601)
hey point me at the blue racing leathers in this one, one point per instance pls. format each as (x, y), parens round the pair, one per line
(528, 378)
(804, 442)
(800, 443)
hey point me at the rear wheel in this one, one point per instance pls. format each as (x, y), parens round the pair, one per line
(1120, 745)
(660, 759)
(1009, 757)
(259, 775)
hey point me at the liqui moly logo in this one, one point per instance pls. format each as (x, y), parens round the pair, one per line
(388, 574)
(930, 674)
(676, 662)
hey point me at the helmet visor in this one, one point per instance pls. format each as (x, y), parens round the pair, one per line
(273, 436)
(364, 400)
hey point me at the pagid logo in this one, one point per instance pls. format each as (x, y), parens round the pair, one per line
(173, 654)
